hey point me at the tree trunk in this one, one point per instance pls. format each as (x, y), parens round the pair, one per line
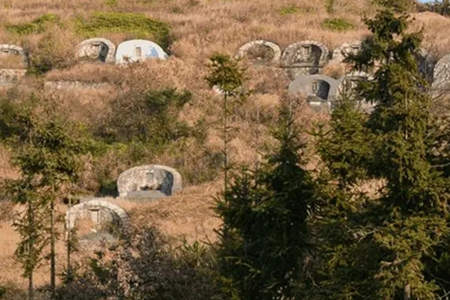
(69, 243)
(52, 249)
(30, 286)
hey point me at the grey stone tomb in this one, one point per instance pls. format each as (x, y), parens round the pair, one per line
(347, 85)
(13, 64)
(101, 212)
(138, 51)
(307, 57)
(97, 49)
(339, 54)
(149, 181)
(319, 90)
(261, 52)
(441, 75)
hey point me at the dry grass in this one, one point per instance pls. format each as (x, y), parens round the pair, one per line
(199, 28)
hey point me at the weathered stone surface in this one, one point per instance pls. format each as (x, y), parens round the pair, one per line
(8, 52)
(347, 85)
(137, 51)
(261, 52)
(73, 85)
(100, 211)
(11, 76)
(425, 63)
(13, 64)
(149, 181)
(339, 54)
(302, 58)
(442, 73)
(319, 90)
(97, 49)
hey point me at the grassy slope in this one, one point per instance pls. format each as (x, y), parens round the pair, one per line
(200, 28)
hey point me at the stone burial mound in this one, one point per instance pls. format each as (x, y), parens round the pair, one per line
(319, 90)
(307, 57)
(261, 52)
(96, 221)
(97, 49)
(149, 182)
(138, 51)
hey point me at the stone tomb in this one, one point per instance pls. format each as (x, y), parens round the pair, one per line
(307, 57)
(97, 49)
(149, 182)
(339, 54)
(261, 52)
(319, 90)
(441, 77)
(13, 64)
(101, 214)
(347, 85)
(137, 51)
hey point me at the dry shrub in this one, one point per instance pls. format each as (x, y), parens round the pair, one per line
(336, 71)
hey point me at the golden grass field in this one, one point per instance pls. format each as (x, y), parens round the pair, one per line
(199, 28)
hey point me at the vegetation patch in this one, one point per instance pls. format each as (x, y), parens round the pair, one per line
(136, 25)
(289, 10)
(38, 25)
(337, 24)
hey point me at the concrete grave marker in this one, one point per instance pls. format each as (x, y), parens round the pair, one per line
(319, 90)
(149, 181)
(101, 212)
(307, 57)
(13, 64)
(441, 77)
(261, 52)
(97, 49)
(138, 50)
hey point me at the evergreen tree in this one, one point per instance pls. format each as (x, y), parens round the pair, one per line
(265, 234)
(47, 154)
(227, 77)
(385, 247)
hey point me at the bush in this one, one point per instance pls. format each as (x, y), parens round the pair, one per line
(337, 24)
(149, 117)
(53, 51)
(38, 25)
(146, 267)
(136, 25)
(289, 10)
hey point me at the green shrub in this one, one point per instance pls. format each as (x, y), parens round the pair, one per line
(149, 117)
(38, 25)
(337, 24)
(136, 25)
(329, 5)
(289, 10)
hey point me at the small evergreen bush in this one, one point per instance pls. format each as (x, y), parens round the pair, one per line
(136, 25)
(337, 24)
(38, 25)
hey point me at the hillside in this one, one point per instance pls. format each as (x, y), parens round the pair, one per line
(190, 31)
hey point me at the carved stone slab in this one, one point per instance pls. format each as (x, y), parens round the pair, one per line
(149, 181)
(138, 50)
(306, 57)
(347, 85)
(97, 49)
(261, 52)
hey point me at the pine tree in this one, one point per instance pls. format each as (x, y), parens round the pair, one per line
(47, 154)
(385, 247)
(227, 77)
(265, 234)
